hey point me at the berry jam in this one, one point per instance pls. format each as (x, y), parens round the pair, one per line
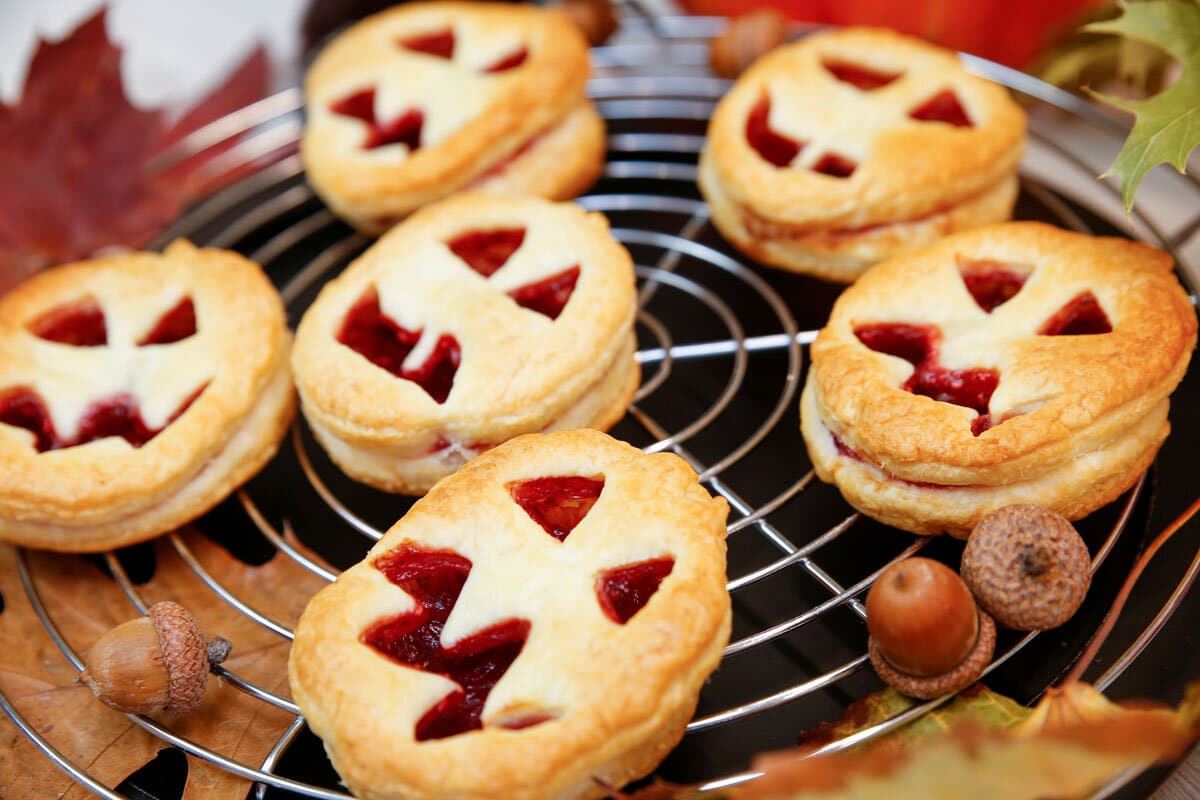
(119, 415)
(487, 251)
(435, 579)
(548, 296)
(775, 148)
(942, 107)
(624, 591)
(918, 344)
(368, 332)
(80, 324)
(1080, 317)
(835, 166)
(511, 61)
(990, 284)
(439, 44)
(404, 129)
(174, 326)
(559, 503)
(859, 76)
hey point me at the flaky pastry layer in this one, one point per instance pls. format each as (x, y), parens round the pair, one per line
(842, 255)
(600, 406)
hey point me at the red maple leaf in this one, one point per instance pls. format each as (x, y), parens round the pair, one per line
(74, 153)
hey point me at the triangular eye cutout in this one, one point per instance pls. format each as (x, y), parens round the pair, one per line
(439, 43)
(174, 326)
(858, 76)
(557, 503)
(624, 591)
(913, 343)
(548, 296)
(487, 251)
(1080, 317)
(992, 283)
(942, 107)
(79, 323)
(371, 334)
(404, 129)
(775, 148)
(510, 61)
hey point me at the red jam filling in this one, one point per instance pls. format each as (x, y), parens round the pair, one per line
(174, 326)
(510, 61)
(435, 579)
(1081, 316)
(624, 591)
(548, 296)
(371, 334)
(775, 148)
(80, 324)
(558, 503)
(114, 416)
(835, 166)
(487, 251)
(990, 283)
(404, 129)
(859, 76)
(439, 43)
(918, 345)
(942, 107)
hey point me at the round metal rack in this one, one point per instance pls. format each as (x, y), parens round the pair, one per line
(722, 352)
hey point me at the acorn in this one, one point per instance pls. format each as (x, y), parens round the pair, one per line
(745, 39)
(596, 19)
(159, 661)
(1028, 567)
(927, 636)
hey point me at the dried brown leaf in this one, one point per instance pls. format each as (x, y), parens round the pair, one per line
(85, 603)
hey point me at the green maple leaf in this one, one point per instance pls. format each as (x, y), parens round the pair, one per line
(1168, 124)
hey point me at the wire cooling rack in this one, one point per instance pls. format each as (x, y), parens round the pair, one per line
(721, 344)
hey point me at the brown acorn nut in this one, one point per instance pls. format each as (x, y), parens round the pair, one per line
(928, 638)
(597, 19)
(1028, 567)
(745, 39)
(159, 661)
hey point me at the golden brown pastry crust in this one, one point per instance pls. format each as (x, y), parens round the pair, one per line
(107, 493)
(925, 178)
(1080, 417)
(622, 693)
(520, 372)
(474, 121)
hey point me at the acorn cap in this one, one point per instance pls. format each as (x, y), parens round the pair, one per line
(955, 680)
(184, 653)
(1028, 567)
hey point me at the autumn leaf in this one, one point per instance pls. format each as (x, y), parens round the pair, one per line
(977, 704)
(85, 603)
(1066, 761)
(73, 153)
(1168, 124)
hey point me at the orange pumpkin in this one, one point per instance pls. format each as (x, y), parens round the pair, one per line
(1012, 32)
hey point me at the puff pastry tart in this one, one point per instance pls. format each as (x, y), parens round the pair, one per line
(1017, 363)
(477, 319)
(136, 392)
(537, 626)
(850, 146)
(427, 99)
